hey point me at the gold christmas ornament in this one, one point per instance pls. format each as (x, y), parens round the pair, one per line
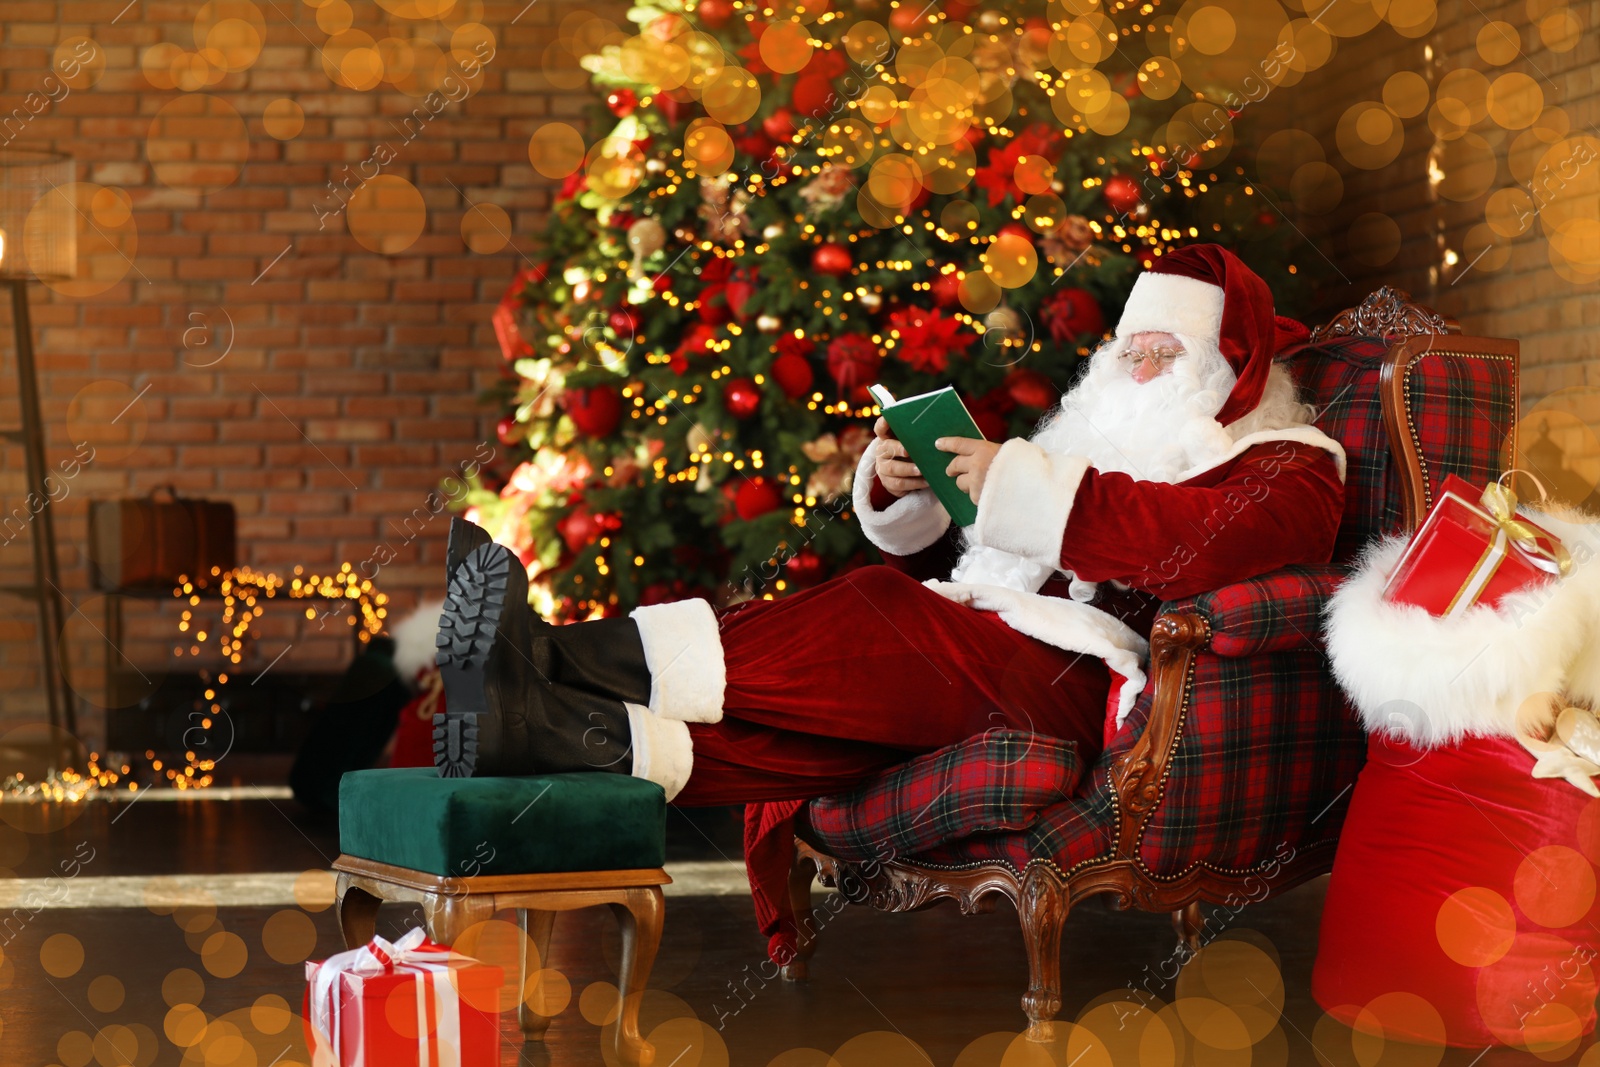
(646, 237)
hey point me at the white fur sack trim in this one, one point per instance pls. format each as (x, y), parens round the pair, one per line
(1172, 303)
(1026, 499)
(683, 649)
(416, 639)
(910, 524)
(1065, 624)
(1434, 681)
(663, 751)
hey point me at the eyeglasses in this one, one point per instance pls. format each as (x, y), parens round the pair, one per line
(1163, 357)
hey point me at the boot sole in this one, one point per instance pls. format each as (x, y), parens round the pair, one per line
(478, 656)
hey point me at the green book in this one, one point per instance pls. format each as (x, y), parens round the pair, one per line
(919, 421)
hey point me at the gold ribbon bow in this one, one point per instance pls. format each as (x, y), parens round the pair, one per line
(1543, 551)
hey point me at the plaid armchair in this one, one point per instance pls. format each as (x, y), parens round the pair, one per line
(1229, 780)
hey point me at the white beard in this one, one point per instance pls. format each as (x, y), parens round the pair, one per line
(1160, 431)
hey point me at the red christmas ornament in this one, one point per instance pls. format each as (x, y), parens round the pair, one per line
(1267, 219)
(579, 528)
(755, 497)
(622, 322)
(662, 283)
(1071, 313)
(989, 413)
(622, 102)
(1016, 229)
(779, 125)
(595, 411)
(793, 374)
(741, 397)
(714, 14)
(508, 430)
(675, 108)
(832, 258)
(754, 144)
(853, 361)
(805, 567)
(813, 96)
(1030, 389)
(714, 305)
(1122, 193)
(738, 294)
(947, 290)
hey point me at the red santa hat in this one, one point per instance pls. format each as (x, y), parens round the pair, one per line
(1205, 291)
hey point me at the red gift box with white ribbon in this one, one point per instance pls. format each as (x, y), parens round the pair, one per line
(1473, 548)
(409, 1003)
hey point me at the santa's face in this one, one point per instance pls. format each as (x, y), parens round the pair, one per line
(1151, 355)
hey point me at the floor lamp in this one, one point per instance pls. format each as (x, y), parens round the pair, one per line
(38, 239)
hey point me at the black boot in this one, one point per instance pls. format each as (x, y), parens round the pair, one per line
(605, 656)
(505, 713)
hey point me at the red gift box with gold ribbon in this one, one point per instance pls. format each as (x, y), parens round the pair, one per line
(410, 1003)
(1473, 548)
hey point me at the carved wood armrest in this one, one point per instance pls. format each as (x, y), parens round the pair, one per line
(1136, 775)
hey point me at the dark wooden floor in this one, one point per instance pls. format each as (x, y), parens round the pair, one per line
(934, 987)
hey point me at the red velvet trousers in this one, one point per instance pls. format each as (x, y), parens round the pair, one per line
(830, 686)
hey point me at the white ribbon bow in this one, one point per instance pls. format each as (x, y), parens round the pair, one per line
(431, 966)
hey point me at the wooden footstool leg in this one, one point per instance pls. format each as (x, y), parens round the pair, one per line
(357, 910)
(536, 926)
(641, 918)
(448, 915)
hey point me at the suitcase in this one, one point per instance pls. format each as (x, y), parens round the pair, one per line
(151, 543)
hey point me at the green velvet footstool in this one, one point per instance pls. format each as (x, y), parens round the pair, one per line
(465, 848)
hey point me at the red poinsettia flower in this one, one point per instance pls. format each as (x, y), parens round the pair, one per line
(788, 344)
(927, 338)
(696, 342)
(575, 183)
(996, 176)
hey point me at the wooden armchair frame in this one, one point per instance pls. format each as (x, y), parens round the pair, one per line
(1043, 895)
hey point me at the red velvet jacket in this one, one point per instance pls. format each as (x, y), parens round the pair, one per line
(1275, 504)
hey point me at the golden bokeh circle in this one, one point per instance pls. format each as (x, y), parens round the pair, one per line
(686, 1040)
(1475, 926)
(116, 1044)
(283, 119)
(75, 1049)
(1212, 30)
(547, 992)
(708, 151)
(386, 214)
(471, 43)
(79, 62)
(731, 96)
(232, 44)
(598, 1004)
(156, 62)
(1554, 886)
(1398, 1017)
(615, 167)
(556, 149)
(880, 1048)
(289, 936)
(1011, 261)
(197, 143)
(315, 890)
(182, 986)
(185, 1025)
(1560, 1029)
(1561, 31)
(334, 17)
(61, 955)
(959, 217)
(1557, 445)
(1499, 43)
(224, 954)
(1509, 211)
(1316, 188)
(785, 47)
(1131, 1033)
(1203, 128)
(105, 249)
(1043, 213)
(878, 105)
(500, 944)
(1412, 18)
(1159, 77)
(1353, 20)
(1484, 249)
(486, 228)
(1369, 136)
(894, 181)
(106, 993)
(1462, 97)
(1406, 93)
(949, 168)
(866, 42)
(1515, 100)
(1469, 167)
(271, 1014)
(978, 292)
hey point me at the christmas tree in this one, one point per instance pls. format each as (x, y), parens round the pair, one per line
(791, 203)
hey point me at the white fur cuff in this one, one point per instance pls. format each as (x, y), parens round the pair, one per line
(910, 524)
(683, 648)
(1171, 303)
(1026, 498)
(663, 752)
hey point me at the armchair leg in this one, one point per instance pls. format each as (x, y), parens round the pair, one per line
(801, 875)
(1188, 922)
(1042, 906)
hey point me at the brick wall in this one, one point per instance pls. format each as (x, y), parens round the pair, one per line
(1554, 317)
(351, 388)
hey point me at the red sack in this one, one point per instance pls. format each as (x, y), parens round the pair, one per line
(1462, 907)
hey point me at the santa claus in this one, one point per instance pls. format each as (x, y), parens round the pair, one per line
(1181, 462)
